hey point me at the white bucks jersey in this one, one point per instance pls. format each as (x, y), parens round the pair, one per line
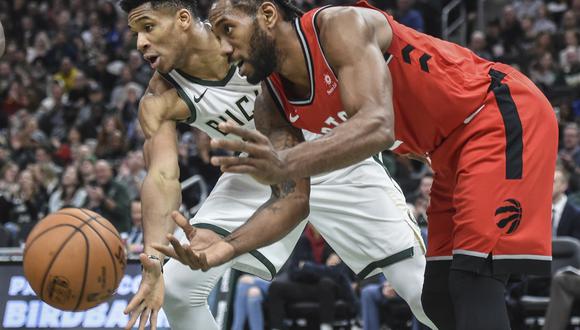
(213, 102)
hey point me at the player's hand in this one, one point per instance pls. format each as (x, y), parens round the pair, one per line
(263, 163)
(148, 300)
(213, 255)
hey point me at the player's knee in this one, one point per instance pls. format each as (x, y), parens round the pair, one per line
(254, 292)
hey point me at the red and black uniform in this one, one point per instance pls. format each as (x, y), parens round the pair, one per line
(490, 133)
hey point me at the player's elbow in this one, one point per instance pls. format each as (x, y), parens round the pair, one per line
(381, 132)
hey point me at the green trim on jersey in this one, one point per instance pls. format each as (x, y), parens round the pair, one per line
(183, 96)
(380, 162)
(219, 83)
(222, 232)
(394, 258)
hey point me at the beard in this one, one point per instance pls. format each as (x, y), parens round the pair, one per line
(263, 55)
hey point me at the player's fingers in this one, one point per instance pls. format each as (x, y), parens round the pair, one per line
(143, 319)
(153, 319)
(179, 251)
(134, 316)
(192, 257)
(203, 262)
(252, 148)
(135, 302)
(231, 160)
(166, 250)
(182, 222)
(246, 134)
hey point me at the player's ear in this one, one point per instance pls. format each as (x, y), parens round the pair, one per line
(184, 18)
(269, 12)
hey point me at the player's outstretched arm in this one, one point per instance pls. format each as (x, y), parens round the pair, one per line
(160, 195)
(353, 48)
(289, 202)
(2, 40)
(286, 208)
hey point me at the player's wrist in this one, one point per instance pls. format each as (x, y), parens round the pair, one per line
(157, 261)
(225, 251)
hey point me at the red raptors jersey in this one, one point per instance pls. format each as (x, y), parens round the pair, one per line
(437, 85)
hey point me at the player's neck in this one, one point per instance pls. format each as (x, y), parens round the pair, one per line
(205, 59)
(292, 63)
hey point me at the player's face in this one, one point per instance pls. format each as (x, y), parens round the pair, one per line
(245, 39)
(160, 36)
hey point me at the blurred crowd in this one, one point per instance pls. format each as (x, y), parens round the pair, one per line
(71, 81)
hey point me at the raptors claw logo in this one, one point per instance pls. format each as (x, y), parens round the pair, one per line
(513, 212)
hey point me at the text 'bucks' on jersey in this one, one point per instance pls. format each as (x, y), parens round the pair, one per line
(211, 102)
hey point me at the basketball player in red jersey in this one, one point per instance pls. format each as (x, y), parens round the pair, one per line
(371, 84)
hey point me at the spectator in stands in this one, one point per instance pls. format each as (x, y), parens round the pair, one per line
(27, 207)
(108, 197)
(569, 21)
(544, 72)
(70, 192)
(408, 16)
(511, 32)
(569, 153)
(250, 294)
(478, 45)
(111, 139)
(67, 73)
(575, 6)
(135, 235)
(91, 115)
(565, 215)
(8, 188)
(571, 53)
(132, 173)
(316, 274)
(528, 40)
(375, 299)
(8, 179)
(543, 23)
(527, 8)
(423, 189)
(565, 289)
(87, 170)
(55, 99)
(40, 48)
(139, 69)
(556, 8)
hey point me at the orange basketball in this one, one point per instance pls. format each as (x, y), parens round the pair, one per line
(74, 259)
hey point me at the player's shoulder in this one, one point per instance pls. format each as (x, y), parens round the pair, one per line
(165, 106)
(158, 84)
(353, 25)
(349, 18)
(340, 17)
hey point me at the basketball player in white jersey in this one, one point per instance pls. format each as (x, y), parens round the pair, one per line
(370, 229)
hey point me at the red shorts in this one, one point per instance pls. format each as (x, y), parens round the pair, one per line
(492, 189)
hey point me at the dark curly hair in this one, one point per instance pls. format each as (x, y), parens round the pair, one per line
(290, 10)
(191, 5)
